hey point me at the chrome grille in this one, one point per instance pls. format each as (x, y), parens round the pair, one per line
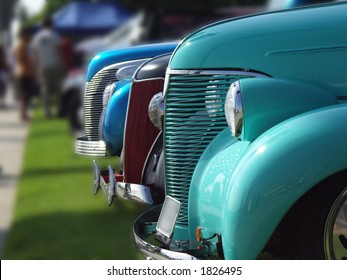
(93, 101)
(194, 116)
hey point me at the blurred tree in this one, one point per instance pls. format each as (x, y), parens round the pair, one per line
(48, 9)
(52, 5)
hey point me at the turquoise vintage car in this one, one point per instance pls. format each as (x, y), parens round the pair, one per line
(255, 141)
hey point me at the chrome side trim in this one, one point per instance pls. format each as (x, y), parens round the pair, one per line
(150, 79)
(90, 148)
(114, 189)
(241, 72)
(152, 251)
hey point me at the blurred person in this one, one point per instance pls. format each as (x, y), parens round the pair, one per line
(67, 53)
(23, 72)
(4, 73)
(48, 60)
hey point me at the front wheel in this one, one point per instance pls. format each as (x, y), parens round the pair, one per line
(320, 227)
(335, 231)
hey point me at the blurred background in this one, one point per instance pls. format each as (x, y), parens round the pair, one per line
(47, 210)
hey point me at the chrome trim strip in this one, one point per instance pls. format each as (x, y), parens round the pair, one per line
(244, 72)
(150, 79)
(90, 148)
(306, 50)
(113, 189)
(152, 251)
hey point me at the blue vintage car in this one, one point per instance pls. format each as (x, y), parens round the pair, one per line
(255, 134)
(102, 72)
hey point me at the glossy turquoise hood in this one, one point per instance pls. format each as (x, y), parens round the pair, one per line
(290, 43)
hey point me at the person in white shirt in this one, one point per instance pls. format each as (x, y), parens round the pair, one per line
(48, 59)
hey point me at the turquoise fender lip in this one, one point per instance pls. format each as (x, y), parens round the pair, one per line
(250, 195)
(210, 182)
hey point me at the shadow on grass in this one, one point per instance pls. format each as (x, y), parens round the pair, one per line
(91, 235)
(48, 133)
(56, 171)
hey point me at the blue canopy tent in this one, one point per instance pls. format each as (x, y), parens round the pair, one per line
(82, 17)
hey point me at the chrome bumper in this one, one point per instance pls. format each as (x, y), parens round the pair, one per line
(144, 227)
(106, 181)
(90, 148)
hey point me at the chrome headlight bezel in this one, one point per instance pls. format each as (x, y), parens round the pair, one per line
(107, 94)
(234, 109)
(156, 110)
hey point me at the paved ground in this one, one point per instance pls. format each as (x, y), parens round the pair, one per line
(12, 139)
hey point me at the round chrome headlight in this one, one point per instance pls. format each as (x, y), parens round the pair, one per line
(233, 109)
(156, 110)
(108, 92)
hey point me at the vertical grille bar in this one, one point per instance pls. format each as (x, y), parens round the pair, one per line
(194, 116)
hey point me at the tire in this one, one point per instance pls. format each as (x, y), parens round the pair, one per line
(73, 107)
(319, 230)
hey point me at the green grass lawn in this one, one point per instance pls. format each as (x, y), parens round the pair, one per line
(56, 215)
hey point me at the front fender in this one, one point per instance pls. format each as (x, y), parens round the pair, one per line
(114, 119)
(278, 168)
(270, 175)
(210, 182)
